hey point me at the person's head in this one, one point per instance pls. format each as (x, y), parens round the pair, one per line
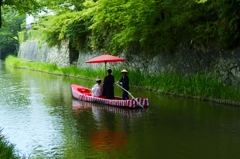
(109, 71)
(124, 72)
(99, 80)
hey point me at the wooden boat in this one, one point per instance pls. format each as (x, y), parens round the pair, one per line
(84, 94)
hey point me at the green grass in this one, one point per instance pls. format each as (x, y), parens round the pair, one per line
(199, 85)
(7, 150)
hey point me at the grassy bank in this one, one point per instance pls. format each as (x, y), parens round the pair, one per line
(7, 150)
(200, 85)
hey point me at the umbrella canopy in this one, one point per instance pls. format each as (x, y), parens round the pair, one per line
(105, 58)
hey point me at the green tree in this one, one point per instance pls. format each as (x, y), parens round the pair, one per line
(65, 24)
(21, 6)
(9, 33)
(62, 6)
(229, 22)
(161, 25)
(150, 26)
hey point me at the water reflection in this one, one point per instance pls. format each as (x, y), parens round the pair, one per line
(97, 109)
(40, 116)
(112, 125)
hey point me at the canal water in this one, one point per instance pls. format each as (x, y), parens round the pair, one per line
(41, 118)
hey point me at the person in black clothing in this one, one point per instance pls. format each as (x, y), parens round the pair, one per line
(108, 85)
(124, 81)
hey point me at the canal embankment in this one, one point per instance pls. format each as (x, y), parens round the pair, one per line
(200, 86)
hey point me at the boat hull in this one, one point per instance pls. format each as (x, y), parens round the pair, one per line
(84, 94)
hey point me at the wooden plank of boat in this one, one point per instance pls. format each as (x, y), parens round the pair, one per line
(84, 94)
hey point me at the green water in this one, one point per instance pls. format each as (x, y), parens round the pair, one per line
(39, 115)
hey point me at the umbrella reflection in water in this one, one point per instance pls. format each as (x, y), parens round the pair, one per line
(108, 136)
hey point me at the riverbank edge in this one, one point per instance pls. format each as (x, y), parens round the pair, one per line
(214, 100)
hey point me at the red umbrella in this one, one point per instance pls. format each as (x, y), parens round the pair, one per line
(105, 58)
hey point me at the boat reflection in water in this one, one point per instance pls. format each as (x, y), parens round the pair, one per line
(112, 126)
(79, 106)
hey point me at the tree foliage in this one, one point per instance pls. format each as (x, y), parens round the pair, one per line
(9, 33)
(149, 26)
(62, 6)
(21, 6)
(66, 26)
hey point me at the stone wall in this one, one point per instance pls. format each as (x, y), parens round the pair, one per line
(34, 50)
(186, 59)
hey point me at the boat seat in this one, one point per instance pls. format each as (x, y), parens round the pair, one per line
(82, 90)
(88, 94)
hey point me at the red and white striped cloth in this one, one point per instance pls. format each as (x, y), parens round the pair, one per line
(115, 102)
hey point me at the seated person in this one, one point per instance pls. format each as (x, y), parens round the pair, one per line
(97, 89)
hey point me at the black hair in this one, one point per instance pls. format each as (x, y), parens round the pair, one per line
(109, 71)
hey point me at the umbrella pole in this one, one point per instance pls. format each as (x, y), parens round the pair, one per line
(130, 95)
(105, 66)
